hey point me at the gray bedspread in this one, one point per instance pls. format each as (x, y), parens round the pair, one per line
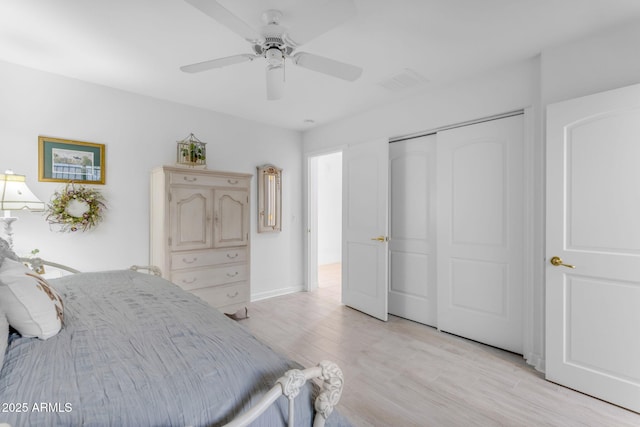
(138, 351)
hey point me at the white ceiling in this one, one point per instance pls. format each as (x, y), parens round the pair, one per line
(139, 45)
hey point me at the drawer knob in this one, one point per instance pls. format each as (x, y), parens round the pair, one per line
(189, 261)
(232, 256)
(232, 274)
(185, 281)
(232, 182)
(190, 179)
(232, 296)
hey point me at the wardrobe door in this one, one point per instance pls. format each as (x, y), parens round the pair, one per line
(412, 291)
(480, 238)
(231, 217)
(190, 218)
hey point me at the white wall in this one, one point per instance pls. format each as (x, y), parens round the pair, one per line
(603, 61)
(140, 133)
(498, 91)
(330, 208)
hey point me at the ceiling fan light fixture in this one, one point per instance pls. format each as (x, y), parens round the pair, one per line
(274, 56)
(275, 82)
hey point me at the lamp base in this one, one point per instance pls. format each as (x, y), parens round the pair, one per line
(7, 223)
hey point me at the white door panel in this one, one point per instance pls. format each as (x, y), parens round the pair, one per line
(480, 237)
(593, 206)
(412, 292)
(365, 218)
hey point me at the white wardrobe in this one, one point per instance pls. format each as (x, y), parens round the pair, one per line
(456, 226)
(200, 233)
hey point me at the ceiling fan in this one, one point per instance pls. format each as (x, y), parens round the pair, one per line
(277, 43)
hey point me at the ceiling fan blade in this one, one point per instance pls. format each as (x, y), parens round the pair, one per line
(275, 82)
(318, 19)
(327, 66)
(217, 63)
(213, 9)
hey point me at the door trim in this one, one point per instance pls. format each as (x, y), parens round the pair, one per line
(533, 242)
(310, 213)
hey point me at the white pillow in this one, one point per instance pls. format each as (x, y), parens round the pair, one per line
(32, 306)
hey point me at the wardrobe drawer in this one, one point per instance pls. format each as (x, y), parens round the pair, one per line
(228, 295)
(209, 181)
(194, 259)
(205, 277)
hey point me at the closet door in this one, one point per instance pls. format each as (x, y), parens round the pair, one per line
(413, 288)
(480, 239)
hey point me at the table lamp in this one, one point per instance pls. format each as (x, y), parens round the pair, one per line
(15, 195)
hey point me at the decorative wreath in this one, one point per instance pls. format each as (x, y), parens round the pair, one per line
(76, 208)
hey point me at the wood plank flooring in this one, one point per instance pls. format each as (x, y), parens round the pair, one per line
(401, 373)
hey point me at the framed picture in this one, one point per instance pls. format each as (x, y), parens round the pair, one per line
(62, 160)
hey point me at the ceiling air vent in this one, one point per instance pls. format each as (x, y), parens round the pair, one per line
(405, 79)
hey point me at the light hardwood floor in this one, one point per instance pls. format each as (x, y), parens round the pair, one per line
(401, 373)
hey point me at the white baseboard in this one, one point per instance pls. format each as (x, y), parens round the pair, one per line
(535, 360)
(276, 293)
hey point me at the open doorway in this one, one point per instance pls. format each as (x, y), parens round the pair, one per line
(326, 209)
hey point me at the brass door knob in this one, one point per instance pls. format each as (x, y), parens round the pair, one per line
(557, 261)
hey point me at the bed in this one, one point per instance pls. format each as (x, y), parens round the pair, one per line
(136, 350)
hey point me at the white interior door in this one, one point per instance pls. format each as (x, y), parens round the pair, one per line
(480, 237)
(365, 180)
(413, 289)
(593, 223)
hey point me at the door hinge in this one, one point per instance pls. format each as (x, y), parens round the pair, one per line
(169, 241)
(169, 196)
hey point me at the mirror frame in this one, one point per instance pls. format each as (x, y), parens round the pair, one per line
(269, 199)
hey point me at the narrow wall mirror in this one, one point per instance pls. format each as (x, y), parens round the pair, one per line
(269, 199)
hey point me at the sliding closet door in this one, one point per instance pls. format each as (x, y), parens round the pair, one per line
(480, 238)
(412, 292)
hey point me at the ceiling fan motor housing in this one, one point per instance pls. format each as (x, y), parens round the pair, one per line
(273, 47)
(271, 16)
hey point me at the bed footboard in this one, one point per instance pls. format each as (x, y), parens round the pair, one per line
(38, 264)
(290, 384)
(152, 269)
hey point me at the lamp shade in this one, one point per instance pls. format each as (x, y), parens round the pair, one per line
(15, 195)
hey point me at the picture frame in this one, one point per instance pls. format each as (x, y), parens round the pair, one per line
(65, 160)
